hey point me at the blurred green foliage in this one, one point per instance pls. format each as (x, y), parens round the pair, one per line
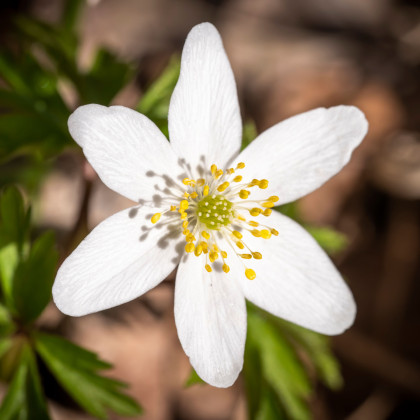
(37, 71)
(27, 271)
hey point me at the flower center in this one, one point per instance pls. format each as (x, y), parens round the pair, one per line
(212, 211)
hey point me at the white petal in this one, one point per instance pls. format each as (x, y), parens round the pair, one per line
(122, 258)
(204, 116)
(125, 148)
(301, 153)
(296, 280)
(210, 316)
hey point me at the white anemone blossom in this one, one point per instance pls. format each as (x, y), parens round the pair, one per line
(206, 207)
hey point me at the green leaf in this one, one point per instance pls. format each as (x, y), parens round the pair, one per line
(249, 133)
(155, 101)
(9, 260)
(15, 397)
(317, 348)
(329, 239)
(290, 210)
(13, 217)
(7, 327)
(193, 379)
(34, 278)
(253, 378)
(76, 369)
(270, 406)
(24, 399)
(281, 368)
(5, 344)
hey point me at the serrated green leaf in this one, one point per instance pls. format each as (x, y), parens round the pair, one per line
(329, 239)
(34, 278)
(193, 379)
(76, 370)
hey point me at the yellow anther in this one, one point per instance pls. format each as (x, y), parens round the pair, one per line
(237, 234)
(184, 215)
(240, 245)
(186, 181)
(223, 186)
(257, 255)
(205, 234)
(266, 234)
(204, 246)
(246, 256)
(239, 217)
(198, 250)
(208, 268)
(192, 183)
(268, 204)
(226, 268)
(206, 190)
(255, 211)
(274, 232)
(213, 169)
(230, 171)
(200, 182)
(263, 184)
(186, 195)
(267, 212)
(237, 178)
(194, 195)
(186, 232)
(183, 205)
(213, 256)
(218, 173)
(254, 224)
(240, 165)
(224, 254)
(190, 237)
(254, 182)
(244, 194)
(256, 233)
(155, 218)
(185, 224)
(173, 208)
(274, 198)
(215, 247)
(189, 247)
(250, 274)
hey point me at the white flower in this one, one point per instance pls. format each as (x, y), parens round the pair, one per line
(205, 206)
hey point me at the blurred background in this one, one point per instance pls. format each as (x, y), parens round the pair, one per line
(288, 56)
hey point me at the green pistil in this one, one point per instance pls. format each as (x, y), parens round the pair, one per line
(214, 211)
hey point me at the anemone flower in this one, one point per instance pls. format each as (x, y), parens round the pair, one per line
(206, 207)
